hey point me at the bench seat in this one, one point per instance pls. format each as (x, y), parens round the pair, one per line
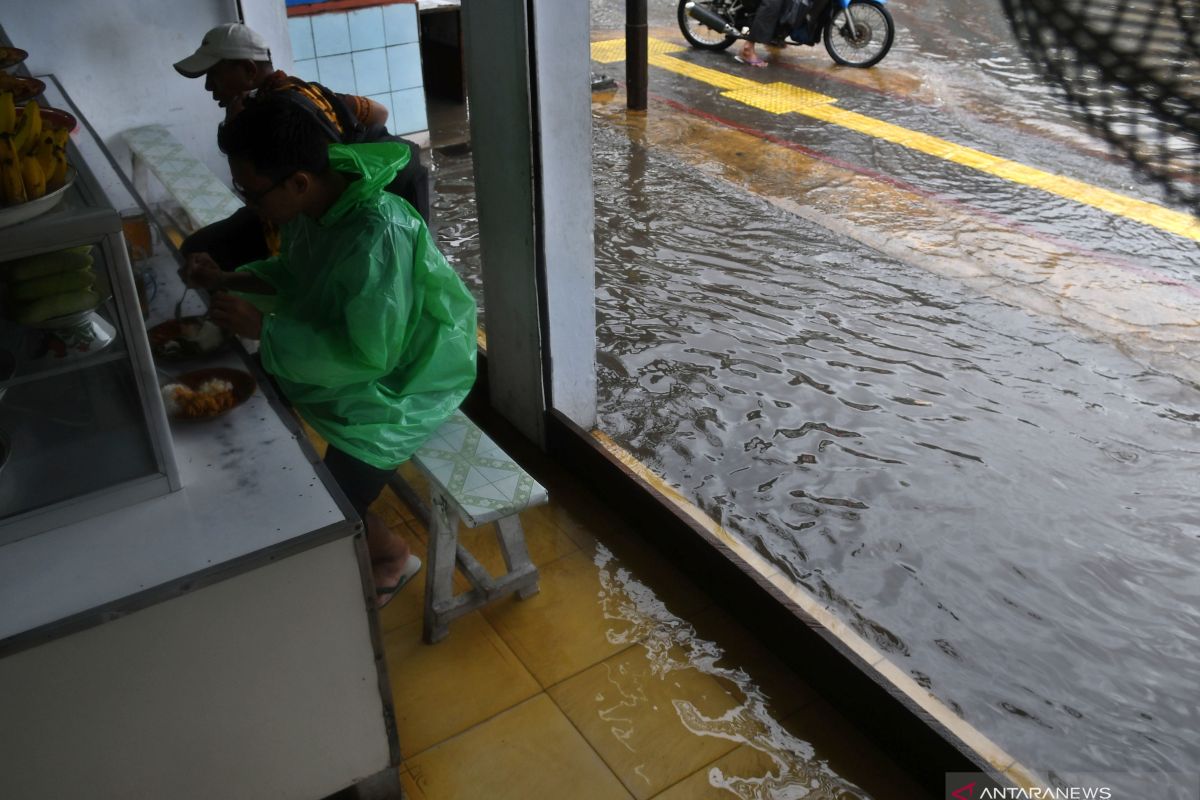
(189, 181)
(472, 482)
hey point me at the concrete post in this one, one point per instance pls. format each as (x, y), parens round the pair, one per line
(528, 81)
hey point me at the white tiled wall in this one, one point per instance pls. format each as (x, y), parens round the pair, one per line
(369, 51)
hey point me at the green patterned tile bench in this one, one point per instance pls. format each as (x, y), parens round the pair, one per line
(202, 196)
(472, 482)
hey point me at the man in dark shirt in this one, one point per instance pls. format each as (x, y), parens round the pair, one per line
(235, 63)
(762, 31)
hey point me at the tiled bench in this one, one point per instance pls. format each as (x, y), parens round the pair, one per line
(201, 195)
(472, 481)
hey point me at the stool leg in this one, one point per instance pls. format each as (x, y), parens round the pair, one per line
(512, 547)
(439, 580)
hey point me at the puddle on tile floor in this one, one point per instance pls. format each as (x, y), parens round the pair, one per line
(679, 660)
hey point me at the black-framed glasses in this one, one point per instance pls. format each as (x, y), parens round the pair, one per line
(254, 198)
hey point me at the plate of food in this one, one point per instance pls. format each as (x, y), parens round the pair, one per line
(66, 342)
(208, 393)
(11, 56)
(21, 212)
(23, 89)
(187, 338)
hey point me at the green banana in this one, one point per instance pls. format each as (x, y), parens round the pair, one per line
(69, 260)
(37, 288)
(56, 305)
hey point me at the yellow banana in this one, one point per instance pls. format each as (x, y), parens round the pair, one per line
(29, 127)
(44, 153)
(12, 186)
(58, 176)
(8, 112)
(34, 178)
(61, 135)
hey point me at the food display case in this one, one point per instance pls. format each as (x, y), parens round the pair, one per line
(82, 425)
(135, 619)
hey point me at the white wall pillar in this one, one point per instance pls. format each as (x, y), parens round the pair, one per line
(562, 66)
(529, 86)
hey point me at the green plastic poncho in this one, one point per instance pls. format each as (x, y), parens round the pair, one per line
(371, 334)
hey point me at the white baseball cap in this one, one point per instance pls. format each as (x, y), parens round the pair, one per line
(230, 41)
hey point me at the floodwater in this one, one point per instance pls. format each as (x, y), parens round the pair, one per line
(987, 466)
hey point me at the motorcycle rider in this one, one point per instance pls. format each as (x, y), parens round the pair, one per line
(769, 18)
(762, 31)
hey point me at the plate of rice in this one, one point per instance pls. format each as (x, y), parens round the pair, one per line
(187, 338)
(207, 393)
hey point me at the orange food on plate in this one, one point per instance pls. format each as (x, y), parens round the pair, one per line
(209, 399)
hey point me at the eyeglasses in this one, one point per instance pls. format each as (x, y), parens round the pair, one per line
(254, 198)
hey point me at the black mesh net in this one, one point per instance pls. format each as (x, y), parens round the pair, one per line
(1132, 70)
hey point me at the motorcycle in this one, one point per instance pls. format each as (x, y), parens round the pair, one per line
(857, 33)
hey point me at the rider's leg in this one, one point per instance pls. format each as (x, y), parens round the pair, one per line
(766, 20)
(750, 56)
(762, 29)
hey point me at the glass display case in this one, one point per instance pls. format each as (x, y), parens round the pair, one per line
(82, 425)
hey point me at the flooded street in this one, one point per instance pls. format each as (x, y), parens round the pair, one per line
(961, 410)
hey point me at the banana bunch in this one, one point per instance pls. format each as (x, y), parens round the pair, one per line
(33, 157)
(49, 285)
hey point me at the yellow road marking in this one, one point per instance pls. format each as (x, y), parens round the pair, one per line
(1138, 210)
(781, 98)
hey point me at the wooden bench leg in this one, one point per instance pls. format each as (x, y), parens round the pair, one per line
(141, 175)
(439, 580)
(512, 547)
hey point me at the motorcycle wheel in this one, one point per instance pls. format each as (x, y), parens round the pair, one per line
(697, 33)
(874, 26)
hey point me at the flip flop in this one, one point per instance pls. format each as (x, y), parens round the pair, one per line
(758, 62)
(386, 593)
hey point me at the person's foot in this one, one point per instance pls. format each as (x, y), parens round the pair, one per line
(748, 56)
(392, 576)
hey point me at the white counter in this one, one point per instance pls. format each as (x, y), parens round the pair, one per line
(247, 487)
(220, 637)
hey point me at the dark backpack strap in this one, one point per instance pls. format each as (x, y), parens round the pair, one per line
(303, 101)
(355, 131)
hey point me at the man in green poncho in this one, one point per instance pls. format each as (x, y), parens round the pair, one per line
(366, 329)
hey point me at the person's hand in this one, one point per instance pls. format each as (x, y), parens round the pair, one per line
(236, 316)
(235, 106)
(201, 272)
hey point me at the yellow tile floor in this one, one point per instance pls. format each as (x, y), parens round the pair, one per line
(620, 679)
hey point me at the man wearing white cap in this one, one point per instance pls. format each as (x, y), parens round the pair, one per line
(235, 62)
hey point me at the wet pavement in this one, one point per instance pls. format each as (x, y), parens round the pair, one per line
(960, 409)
